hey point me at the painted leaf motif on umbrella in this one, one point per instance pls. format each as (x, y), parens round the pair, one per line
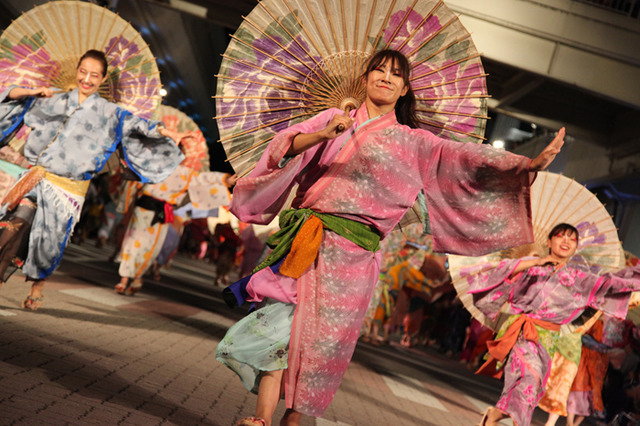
(291, 59)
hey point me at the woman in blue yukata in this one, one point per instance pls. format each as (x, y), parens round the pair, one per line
(72, 136)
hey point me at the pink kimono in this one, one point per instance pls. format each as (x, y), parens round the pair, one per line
(541, 293)
(478, 201)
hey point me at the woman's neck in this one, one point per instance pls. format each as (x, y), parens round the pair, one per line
(377, 110)
(560, 261)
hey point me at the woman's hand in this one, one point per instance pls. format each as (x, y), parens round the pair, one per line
(547, 155)
(39, 92)
(546, 260)
(181, 136)
(337, 126)
(304, 141)
(523, 265)
(230, 180)
(176, 136)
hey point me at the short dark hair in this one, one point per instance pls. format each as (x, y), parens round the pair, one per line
(562, 228)
(406, 105)
(98, 55)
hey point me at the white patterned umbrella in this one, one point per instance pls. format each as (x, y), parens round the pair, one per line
(42, 47)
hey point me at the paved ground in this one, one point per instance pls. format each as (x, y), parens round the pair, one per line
(89, 356)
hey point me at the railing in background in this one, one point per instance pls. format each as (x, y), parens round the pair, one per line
(625, 7)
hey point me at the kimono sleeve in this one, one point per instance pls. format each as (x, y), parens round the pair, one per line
(612, 291)
(149, 154)
(478, 197)
(490, 288)
(12, 112)
(208, 191)
(258, 197)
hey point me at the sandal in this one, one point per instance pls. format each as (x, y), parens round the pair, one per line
(252, 421)
(135, 287)
(120, 288)
(32, 303)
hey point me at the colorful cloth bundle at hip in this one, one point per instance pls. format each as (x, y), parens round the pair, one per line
(163, 210)
(300, 235)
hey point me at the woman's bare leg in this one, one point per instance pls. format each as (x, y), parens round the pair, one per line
(493, 416)
(553, 418)
(36, 289)
(573, 420)
(269, 393)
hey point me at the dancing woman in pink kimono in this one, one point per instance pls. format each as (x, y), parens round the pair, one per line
(541, 294)
(357, 175)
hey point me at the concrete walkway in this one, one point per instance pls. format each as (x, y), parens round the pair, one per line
(90, 356)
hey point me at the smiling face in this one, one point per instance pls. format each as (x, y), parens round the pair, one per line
(89, 76)
(563, 244)
(385, 84)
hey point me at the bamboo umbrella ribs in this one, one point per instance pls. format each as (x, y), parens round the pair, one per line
(291, 59)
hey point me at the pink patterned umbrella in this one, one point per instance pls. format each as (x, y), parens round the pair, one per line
(291, 59)
(195, 148)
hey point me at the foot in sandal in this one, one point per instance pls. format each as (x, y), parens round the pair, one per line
(252, 421)
(32, 303)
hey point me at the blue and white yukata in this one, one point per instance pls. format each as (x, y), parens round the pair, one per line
(74, 141)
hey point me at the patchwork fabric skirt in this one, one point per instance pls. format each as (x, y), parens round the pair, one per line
(258, 342)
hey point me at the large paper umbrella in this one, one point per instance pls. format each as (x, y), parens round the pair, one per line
(291, 59)
(554, 199)
(42, 48)
(195, 147)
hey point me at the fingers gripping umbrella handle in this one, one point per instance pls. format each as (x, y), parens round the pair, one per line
(347, 105)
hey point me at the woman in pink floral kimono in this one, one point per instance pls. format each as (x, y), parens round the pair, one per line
(541, 294)
(357, 175)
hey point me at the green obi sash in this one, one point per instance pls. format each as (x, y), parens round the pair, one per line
(292, 220)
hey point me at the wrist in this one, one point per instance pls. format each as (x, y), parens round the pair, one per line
(323, 135)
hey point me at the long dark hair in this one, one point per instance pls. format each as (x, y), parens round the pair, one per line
(406, 105)
(562, 228)
(99, 56)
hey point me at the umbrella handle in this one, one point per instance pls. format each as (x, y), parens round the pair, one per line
(347, 105)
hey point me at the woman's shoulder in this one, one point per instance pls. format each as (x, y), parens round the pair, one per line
(98, 105)
(417, 133)
(107, 104)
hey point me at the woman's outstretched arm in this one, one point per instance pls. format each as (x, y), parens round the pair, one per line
(547, 155)
(21, 92)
